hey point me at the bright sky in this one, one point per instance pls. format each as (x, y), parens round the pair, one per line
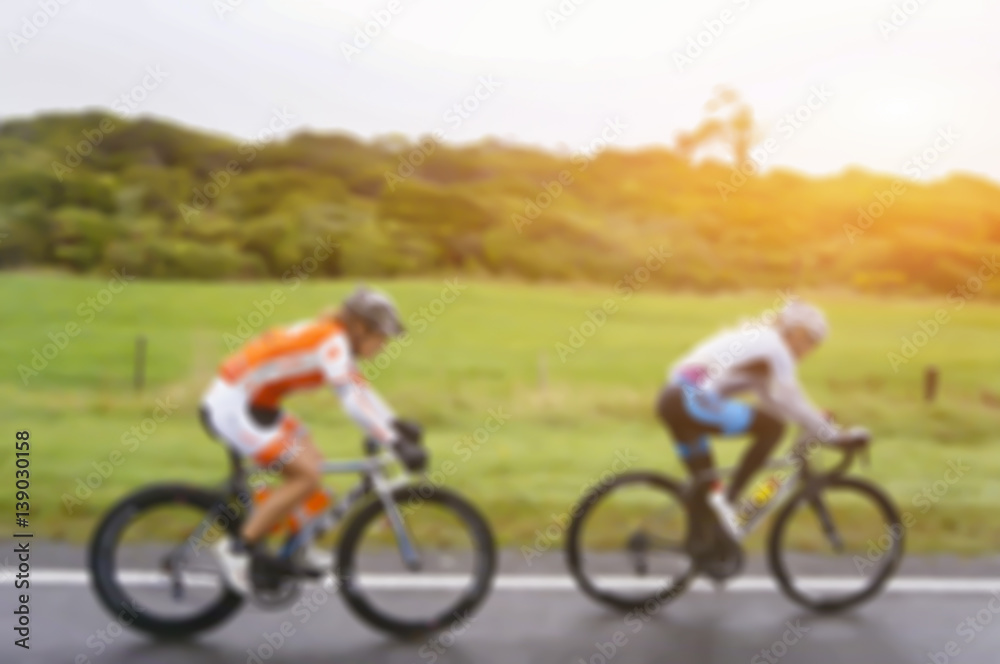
(231, 65)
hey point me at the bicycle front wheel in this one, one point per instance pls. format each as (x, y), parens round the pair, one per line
(836, 544)
(420, 566)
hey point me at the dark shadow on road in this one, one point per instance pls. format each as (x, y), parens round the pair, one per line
(802, 637)
(633, 637)
(405, 653)
(381, 652)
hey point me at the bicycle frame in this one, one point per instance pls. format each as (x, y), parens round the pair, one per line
(374, 476)
(787, 485)
(798, 459)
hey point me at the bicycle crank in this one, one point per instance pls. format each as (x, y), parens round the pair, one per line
(723, 561)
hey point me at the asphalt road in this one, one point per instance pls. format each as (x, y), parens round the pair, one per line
(913, 622)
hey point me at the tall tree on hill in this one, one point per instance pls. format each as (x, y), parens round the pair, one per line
(736, 130)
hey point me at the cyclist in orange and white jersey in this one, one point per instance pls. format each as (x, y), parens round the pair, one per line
(243, 408)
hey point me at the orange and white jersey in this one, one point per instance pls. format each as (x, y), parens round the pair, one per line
(263, 372)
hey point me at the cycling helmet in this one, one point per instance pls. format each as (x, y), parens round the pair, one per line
(376, 309)
(804, 316)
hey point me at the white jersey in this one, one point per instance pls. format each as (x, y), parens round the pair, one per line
(757, 359)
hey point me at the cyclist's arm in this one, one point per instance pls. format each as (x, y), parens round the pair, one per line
(368, 410)
(786, 395)
(360, 401)
(791, 402)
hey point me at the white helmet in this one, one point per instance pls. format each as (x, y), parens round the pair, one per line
(805, 316)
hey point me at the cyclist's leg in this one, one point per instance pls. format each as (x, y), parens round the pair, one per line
(691, 439)
(278, 443)
(292, 453)
(733, 417)
(274, 440)
(767, 431)
(689, 435)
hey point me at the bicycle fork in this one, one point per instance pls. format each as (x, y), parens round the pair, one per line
(826, 520)
(384, 489)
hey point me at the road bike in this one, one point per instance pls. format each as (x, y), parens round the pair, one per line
(152, 566)
(834, 543)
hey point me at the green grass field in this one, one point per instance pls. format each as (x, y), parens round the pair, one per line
(482, 354)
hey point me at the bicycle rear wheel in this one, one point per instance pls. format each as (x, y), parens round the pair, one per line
(626, 542)
(151, 565)
(447, 539)
(836, 544)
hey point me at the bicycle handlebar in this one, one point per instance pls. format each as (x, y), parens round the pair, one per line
(856, 446)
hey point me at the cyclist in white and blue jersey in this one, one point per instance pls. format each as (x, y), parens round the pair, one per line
(757, 358)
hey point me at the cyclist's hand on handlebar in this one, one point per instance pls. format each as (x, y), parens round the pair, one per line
(408, 445)
(409, 430)
(410, 454)
(852, 438)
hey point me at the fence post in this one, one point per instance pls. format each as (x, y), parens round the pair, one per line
(139, 367)
(931, 375)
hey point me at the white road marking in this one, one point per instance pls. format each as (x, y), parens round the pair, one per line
(547, 583)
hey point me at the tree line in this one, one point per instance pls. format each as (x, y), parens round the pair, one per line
(91, 192)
